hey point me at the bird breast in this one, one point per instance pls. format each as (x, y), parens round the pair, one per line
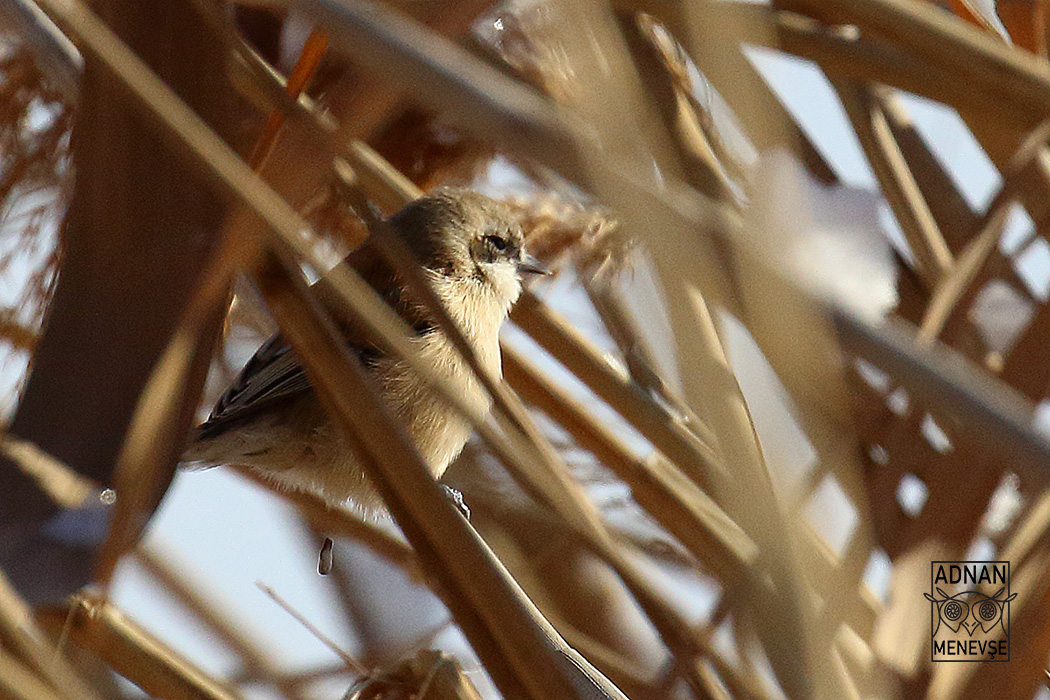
(437, 429)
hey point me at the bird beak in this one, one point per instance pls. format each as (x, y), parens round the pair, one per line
(530, 264)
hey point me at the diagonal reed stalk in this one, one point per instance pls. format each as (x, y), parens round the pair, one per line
(133, 652)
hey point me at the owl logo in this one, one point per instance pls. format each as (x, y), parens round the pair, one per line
(970, 610)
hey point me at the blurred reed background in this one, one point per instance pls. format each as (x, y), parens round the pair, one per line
(752, 406)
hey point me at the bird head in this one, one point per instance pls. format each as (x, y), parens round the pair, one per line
(464, 235)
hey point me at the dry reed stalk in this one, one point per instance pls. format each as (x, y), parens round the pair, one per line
(947, 382)
(298, 680)
(700, 165)
(1026, 24)
(19, 683)
(848, 57)
(897, 182)
(713, 392)
(369, 104)
(826, 582)
(678, 65)
(98, 627)
(64, 486)
(629, 128)
(210, 615)
(676, 503)
(691, 454)
(766, 120)
(929, 514)
(155, 439)
(976, 16)
(396, 49)
(956, 290)
(955, 218)
(351, 663)
(864, 60)
(107, 277)
(27, 643)
(972, 56)
(631, 342)
(621, 670)
(984, 241)
(838, 579)
(309, 60)
(1001, 142)
(574, 589)
(652, 420)
(1026, 368)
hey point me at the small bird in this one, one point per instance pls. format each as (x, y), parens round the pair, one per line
(472, 252)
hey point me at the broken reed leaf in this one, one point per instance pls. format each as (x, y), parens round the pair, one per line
(428, 674)
(324, 558)
(65, 486)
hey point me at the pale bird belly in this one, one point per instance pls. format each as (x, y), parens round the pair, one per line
(303, 450)
(438, 431)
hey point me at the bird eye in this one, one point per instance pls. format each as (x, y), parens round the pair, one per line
(496, 242)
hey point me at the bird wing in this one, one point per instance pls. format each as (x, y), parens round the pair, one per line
(273, 375)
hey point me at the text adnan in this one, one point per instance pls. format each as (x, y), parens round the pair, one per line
(970, 574)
